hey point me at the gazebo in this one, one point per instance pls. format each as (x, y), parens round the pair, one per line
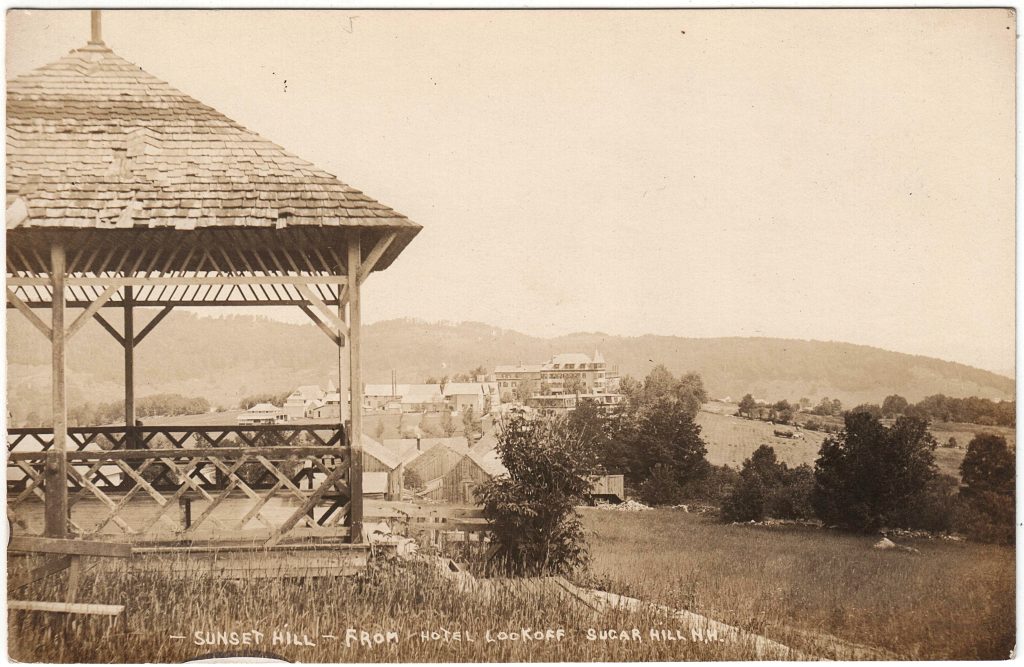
(124, 193)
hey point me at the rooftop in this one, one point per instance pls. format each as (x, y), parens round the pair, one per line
(95, 142)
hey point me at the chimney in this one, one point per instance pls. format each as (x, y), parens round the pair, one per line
(417, 443)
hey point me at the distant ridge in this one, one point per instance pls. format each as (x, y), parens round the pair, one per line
(225, 358)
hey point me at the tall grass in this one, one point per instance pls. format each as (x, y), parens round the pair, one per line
(950, 601)
(403, 598)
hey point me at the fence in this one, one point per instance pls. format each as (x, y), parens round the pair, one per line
(183, 483)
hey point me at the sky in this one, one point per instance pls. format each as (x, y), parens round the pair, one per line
(817, 174)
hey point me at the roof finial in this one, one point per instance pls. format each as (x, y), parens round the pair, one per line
(97, 28)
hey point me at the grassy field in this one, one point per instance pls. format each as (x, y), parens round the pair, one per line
(950, 601)
(731, 439)
(163, 615)
(953, 600)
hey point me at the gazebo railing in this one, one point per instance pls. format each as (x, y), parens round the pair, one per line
(91, 438)
(261, 483)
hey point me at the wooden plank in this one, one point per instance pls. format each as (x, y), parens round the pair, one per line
(66, 607)
(74, 577)
(34, 319)
(129, 348)
(331, 318)
(355, 385)
(278, 453)
(57, 492)
(311, 501)
(47, 545)
(333, 335)
(215, 280)
(110, 328)
(152, 323)
(375, 254)
(90, 311)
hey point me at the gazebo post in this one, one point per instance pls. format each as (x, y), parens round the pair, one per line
(55, 479)
(355, 481)
(129, 367)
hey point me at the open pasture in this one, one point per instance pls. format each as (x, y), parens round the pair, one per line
(953, 600)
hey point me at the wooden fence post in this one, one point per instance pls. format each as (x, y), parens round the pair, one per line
(55, 481)
(395, 477)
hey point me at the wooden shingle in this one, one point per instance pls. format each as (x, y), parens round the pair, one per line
(92, 134)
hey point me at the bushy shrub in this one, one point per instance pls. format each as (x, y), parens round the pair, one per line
(933, 508)
(531, 510)
(661, 488)
(769, 488)
(713, 487)
(986, 517)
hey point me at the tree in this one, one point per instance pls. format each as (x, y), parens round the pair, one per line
(988, 465)
(868, 408)
(782, 412)
(768, 487)
(894, 405)
(759, 476)
(665, 434)
(865, 472)
(535, 527)
(747, 405)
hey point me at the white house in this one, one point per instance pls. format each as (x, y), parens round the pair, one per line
(262, 413)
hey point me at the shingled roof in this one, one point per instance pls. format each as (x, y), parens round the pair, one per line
(93, 141)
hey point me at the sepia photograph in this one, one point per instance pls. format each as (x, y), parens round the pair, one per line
(502, 336)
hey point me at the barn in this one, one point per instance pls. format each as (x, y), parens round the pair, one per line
(472, 470)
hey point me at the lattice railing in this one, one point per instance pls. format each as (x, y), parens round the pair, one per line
(103, 438)
(180, 493)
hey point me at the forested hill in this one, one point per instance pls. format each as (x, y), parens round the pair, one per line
(226, 358)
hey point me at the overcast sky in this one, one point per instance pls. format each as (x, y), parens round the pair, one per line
(823, 174)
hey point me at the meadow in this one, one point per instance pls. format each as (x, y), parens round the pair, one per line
(164, 615)
(809, 589)
(952, 600)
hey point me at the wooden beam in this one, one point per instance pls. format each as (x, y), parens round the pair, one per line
(378, 251)
(110, 328)
(355, 387)
(90, 311)
(66, 607)
(331, 318)
(129, 365)
(36, 321)
(152, 323)
(120, 281)
(56, 511)
(332, 334)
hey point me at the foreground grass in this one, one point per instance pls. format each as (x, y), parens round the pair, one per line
(950, 601)
(163, 614)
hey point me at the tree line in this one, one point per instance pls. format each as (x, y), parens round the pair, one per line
(96, 414)
(938, 407)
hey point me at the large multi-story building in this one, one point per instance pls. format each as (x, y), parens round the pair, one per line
(510, 378)
(560, 383)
